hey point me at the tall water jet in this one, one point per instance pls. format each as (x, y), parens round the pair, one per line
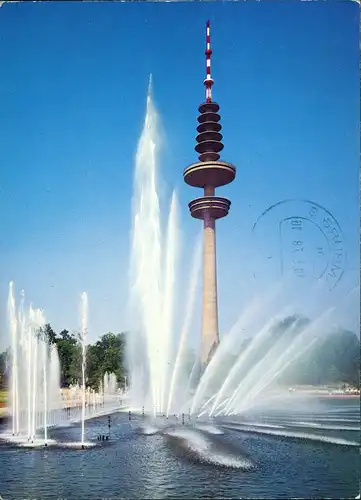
(153, 271)
(168, 300)
(193, 282)
(146, 244)
(29, 349)
(14, 360)
(83, 334)
(55, 401)
(34, 378)
(45, 389)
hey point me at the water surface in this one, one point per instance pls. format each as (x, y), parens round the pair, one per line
(311, 452)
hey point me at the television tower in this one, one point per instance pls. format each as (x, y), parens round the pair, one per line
(208, 174)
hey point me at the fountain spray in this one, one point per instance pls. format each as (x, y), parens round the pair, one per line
(34, 377)
(29, 347)
(84, 321)
(15, 375)
(195, 271)
(45, 388)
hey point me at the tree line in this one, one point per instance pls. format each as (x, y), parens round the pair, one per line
(105, 355)
(335, 360)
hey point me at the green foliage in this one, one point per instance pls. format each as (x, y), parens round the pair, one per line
(49, 333)
(2, 369)
(106, 355)
(69, 351)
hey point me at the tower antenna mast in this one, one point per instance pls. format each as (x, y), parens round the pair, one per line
(208, 82)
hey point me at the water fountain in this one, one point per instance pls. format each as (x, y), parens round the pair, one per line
(35, 369)
(84, 327)
(151, 350)
(110, 384)
(36, 402)
(161, 382)
(157, 377)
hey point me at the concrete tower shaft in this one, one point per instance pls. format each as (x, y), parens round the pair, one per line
(209, 173)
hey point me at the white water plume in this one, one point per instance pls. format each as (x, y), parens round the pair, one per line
(30, 368)
(193, 282)
(251, 320)
(171, 249)
(55, 401)
(146, 250)
(295, 435)
(234, 372)
(45, 354)
(204, 449)
(152, 349)
(15, 368)
(84, 329)
(277, 361)
(110, 384)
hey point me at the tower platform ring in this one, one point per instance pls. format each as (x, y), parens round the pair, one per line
(208, 107)
(209, 173)
(209, 127)
(209, 135)
(209, 117)
(209, 146)
(216, 206)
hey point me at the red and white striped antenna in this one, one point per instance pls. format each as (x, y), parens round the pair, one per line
(208, 82)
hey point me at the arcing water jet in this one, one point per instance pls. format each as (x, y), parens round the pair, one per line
(83, 335)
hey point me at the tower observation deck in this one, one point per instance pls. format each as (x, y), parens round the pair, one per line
(209, 173)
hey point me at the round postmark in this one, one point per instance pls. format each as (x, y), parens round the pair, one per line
(299, 239)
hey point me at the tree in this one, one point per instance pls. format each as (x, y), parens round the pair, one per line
(93, 366)
(49, 334)
(106, 355)
(111, 351)
(3, 366)
(69, 351)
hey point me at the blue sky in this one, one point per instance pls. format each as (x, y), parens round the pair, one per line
(72, 101)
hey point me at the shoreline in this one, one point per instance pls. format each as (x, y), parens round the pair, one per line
(340, 396)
